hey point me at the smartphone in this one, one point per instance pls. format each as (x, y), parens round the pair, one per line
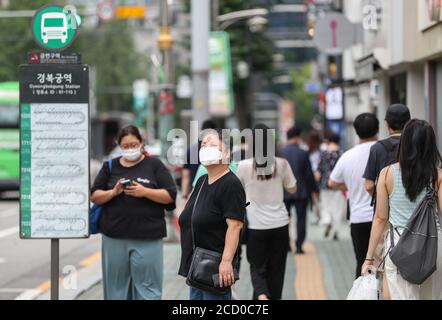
(126, 183)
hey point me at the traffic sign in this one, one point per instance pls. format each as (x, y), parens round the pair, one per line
(130, 12)
(334, 33)
(105, 10)
(54, 27)
(54, 57)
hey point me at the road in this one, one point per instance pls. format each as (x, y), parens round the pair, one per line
(25, 264)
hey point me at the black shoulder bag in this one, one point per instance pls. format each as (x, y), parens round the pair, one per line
(204, 268)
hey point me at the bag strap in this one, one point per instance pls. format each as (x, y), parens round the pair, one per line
(193, 211)
(387, 144)
(382, 263)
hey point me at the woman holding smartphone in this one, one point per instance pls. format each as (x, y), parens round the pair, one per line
(134, 193)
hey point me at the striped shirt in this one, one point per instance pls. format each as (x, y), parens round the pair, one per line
(401, 208)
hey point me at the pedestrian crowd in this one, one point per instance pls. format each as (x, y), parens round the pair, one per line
(380, 186)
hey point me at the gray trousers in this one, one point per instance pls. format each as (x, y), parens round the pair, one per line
(132, 269)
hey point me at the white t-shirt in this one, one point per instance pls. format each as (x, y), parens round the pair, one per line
(266, 209)
(349, 170)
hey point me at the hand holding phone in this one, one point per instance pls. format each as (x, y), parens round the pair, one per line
(126, 183)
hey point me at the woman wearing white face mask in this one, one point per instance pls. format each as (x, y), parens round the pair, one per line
(134, 192)
(216, 210)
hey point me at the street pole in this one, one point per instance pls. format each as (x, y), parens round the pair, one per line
(55, 268)
(200, 59)
(215, 12)
(165, 43)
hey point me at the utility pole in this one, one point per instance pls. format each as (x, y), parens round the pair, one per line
(200, 59)
(165, 43)
(215, 13)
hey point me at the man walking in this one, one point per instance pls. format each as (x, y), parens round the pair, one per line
(300, 163)
(383, 153)
(347, 175)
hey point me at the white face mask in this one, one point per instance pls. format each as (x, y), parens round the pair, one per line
(131, 154)
(210, 155)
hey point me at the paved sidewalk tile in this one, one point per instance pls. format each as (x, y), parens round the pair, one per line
(175, 288)
(309, 282)
(326, 271)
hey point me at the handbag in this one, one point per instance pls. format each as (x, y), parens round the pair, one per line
(96, 211)
(204, 268)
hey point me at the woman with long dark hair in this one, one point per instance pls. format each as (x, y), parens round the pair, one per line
(400, 189)
(264, 178)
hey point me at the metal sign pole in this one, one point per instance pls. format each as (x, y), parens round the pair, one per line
(55, 268)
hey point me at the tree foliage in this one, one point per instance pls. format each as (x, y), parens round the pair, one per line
(304, 101)
(109, 48)
(16, 38)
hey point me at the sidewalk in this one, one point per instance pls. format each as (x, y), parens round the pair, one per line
(325, 271)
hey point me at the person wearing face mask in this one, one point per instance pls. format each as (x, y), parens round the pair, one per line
(134, 193)
(216, 211)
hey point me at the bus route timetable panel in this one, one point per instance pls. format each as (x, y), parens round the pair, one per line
(54, 151)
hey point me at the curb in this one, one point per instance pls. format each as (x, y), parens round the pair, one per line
(86, 278)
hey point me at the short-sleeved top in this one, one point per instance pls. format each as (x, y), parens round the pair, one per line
(223, 199)
(349, 170)
(379, 158)
(267, 209)
(326, 165)
(128, 217)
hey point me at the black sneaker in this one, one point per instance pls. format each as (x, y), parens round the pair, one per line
(299, 251)
(327, 230)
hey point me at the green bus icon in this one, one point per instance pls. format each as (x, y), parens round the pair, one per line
(54, 27)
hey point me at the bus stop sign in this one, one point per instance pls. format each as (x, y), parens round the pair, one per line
(54, 151)
(54, 27)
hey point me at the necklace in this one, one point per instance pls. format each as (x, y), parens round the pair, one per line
(217, 176)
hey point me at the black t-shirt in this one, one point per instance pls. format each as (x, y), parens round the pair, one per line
(225, 198)
(379, 158)
(128, 217)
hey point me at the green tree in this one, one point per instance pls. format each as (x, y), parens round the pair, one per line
(255, 48)
(304, 101)
(110, 49)
(16, 38)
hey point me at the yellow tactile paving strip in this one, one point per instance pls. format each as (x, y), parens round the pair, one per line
(309, 281)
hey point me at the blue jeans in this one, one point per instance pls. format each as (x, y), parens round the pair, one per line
(196, 294)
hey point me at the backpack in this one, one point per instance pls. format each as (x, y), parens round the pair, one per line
(415, 254)
(392, 157)
(96, 210)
